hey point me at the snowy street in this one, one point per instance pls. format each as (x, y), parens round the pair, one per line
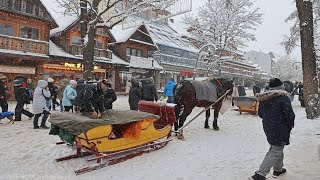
(233, 153)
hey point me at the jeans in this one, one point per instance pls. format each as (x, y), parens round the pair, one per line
(273, 158)
(44, 119)
(61, 106)
(170, 99)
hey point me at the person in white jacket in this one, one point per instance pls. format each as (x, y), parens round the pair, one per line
(40, 97)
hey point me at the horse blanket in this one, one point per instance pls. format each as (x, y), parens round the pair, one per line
(205, 90)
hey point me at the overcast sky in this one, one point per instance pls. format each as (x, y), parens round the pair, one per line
(270, 33)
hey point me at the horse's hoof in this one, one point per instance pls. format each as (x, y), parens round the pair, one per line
(181, 138)
(216, 128)
(206, 127)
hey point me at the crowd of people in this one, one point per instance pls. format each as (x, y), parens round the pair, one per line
(89, 97)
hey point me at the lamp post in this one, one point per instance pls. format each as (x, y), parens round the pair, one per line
(199, 57)
(296, 66)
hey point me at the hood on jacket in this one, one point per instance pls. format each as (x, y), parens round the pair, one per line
(134, 83)
(270, 94)
(42, 83)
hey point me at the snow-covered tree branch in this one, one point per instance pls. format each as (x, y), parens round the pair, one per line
(225, 23)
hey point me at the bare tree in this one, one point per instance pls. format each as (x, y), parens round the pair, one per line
(225, 23)
(287, 68)
(310, 78)
(92, 15)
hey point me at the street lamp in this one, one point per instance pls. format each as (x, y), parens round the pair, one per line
(297, 65)
(199, 57)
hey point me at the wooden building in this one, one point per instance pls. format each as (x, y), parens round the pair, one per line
(24, 39)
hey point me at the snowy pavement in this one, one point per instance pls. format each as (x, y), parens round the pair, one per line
(232, 153)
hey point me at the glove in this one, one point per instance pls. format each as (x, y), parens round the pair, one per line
(162, 98)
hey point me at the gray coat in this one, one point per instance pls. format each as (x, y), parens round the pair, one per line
(39, 101)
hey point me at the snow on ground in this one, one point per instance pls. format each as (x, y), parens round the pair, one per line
(232, 153)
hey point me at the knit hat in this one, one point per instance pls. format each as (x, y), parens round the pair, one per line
(275, 82)
(17, 82)
(73, 82)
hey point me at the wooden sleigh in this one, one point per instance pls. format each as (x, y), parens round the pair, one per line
(246, 104)
(132, 137)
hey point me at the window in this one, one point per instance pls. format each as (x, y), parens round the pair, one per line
(6, 29)
(139, 53)
(29, 8)
(17, 5)
(128, 52)
(133, 52)
(29, 32)
(98, 44)
(76, 40)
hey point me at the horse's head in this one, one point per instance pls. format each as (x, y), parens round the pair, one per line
(227, 84)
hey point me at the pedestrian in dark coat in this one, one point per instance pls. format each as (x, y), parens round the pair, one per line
(22, 97)
(300, 93)
(93, 98)
(110, 96)
(278, 119)
(134, 95)
(149, 91)
(256, 89)
(53, 91)
(3, 94)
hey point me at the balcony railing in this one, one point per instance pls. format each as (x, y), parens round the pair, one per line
(24, 45)
(78, 50)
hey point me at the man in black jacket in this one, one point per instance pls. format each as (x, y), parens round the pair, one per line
(93, 98)
(109, 97)
(3, 94)
(278, 120)
(22, 97)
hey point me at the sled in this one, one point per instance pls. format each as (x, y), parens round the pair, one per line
(246, 104)
(134, 133)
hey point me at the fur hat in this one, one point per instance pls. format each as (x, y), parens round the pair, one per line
(275, 82)
(50, 80)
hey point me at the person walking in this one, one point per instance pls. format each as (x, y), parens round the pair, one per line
(53, 91)
(22, 97)
(149, 92)
(62, 86)
(3, 93)
(40, 98)
(109, 97)
(278, 120)
(168, 90)
(134, 95)
(69, 94)
(128, 86)
(256, 89)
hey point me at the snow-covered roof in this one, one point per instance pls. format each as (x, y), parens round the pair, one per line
(54, 50)
(122, 35)
(8, 51)
(163, 34)
(64, 21)
(144, 63)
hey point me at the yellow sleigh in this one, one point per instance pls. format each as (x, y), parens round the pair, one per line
(118, 135)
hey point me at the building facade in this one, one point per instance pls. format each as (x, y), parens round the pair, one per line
(24, 39)
(260, 58)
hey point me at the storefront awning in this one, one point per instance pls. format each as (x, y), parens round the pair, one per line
(17, 69)
(144, 63)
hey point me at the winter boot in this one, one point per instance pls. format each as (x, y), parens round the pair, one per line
(257, 177)
(279, 173)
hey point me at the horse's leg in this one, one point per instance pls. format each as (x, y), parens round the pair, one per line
(217, 108)
(206, 123)
(177, 111)
(182, 118)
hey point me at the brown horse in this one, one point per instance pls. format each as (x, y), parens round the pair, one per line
(185, 98)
